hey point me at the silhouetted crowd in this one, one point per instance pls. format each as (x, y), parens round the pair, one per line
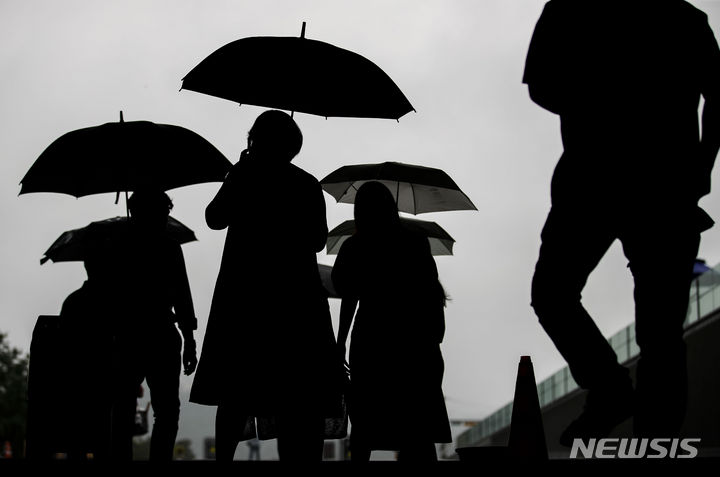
(624, 77)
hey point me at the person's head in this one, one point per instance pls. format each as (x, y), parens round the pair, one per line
(275, 136)
(375, 208)
(149, 209)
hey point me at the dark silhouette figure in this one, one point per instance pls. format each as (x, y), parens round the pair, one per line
(87, 337)
(268, 351)
(143, 285)
(626, 78)
(396, 366)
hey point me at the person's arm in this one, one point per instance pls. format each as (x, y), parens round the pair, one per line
(184, 310)
(347, 313)
(220, 210)
(710, 142)
(434, 291)
(343, 280)
(320, 229)
(710, 89)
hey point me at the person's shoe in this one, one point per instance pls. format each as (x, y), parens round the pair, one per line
(602, 413)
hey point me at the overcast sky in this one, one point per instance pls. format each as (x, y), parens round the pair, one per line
(74, 64)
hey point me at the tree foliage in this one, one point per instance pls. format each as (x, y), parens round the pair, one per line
(13, 395)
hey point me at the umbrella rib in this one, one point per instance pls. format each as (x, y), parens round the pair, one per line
(352, 186)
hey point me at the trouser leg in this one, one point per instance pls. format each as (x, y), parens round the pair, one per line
(572, 246)
(124, 403)
(229, 425)
(163, 379)
(418, 452)
(300, 436)
(661, 262)
(359, 451)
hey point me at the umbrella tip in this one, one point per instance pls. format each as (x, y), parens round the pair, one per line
(302, 32)
(121, 117)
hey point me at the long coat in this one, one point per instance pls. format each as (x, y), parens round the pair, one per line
(269, 343)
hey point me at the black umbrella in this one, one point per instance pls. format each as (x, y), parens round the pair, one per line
(298, 74)
(441, 243)
(72, 246)
(416, 189)
(125, 156)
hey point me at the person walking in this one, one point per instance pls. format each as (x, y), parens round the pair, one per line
(625, 78)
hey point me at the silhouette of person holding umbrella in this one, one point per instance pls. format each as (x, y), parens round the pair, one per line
(396, 366)
(626, 78)
(141, 280)
(269, 306)
(87, 337)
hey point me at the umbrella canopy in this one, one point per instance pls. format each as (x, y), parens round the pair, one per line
(441, 243)
(125, 156)
(416, 189)
(298, 74)
(326, 277)
(73, 245)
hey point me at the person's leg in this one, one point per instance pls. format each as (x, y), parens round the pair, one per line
(128, 375)
(300, 437)
(573, 243)
(229, 425)
(359, 450)
(661, 256)
(572, 246)
(418, 452)
(163, 379)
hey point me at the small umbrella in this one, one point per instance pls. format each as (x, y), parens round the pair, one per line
(416, 189)
(325, 276)
(72, 246)
(298, 74)
(125, 156)
(441, 243)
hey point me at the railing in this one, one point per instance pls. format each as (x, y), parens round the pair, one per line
(704, 300)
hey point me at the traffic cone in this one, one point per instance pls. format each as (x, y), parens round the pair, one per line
(527, 433)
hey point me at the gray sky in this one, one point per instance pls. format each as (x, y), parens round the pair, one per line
(74, 64)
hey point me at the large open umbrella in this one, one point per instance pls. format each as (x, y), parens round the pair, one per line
(73, 245)
(441, 243)
(125, 156)
(416, 189)
(298, 74)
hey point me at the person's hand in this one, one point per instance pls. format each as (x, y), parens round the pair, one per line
(189, 357)
(245, 155)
